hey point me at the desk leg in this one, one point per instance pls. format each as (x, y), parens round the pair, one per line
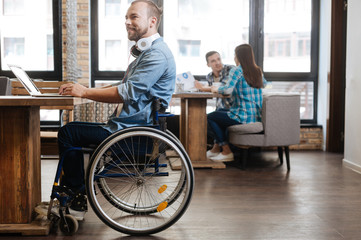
(193, 132)
(183, 126)
(20, 177)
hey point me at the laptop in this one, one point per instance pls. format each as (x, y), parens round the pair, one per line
(186, 80)
(29, 84)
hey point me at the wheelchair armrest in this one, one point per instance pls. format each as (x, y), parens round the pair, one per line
(166, 114)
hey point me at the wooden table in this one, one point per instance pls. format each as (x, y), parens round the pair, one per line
(193, 128)
(20, 172)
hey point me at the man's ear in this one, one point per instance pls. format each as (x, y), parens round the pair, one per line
(153, 22)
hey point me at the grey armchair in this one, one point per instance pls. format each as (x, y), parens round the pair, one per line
(280, 127)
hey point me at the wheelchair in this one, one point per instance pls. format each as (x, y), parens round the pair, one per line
(139, 181)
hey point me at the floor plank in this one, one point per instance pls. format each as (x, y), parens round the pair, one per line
(317, 199)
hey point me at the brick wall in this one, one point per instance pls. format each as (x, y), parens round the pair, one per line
(311, 138)
(83, 44)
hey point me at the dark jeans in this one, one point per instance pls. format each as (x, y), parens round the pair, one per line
(77, 134)
(218, 121)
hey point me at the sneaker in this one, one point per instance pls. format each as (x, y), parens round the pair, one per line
(79, 203)
(211, 154)
(223, 158)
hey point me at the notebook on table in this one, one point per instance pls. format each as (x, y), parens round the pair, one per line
(29, 84)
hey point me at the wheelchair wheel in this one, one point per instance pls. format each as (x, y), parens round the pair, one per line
(140, 181)
(172, 135)
(68, 225)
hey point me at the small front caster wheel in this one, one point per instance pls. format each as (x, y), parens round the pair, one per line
(68, 225)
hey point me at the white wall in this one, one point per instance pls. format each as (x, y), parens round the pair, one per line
(324, 66)
(352, 155)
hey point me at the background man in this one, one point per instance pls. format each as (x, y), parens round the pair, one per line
(219, 74)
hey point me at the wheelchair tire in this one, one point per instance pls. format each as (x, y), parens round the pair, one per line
(127, 207)
(134, 187)
(68, 225)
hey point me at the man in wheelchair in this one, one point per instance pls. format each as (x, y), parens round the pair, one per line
(151, 75)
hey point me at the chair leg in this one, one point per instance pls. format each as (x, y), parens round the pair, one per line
(240, 160)
(280, 154)
(287, 152)
(244, 158)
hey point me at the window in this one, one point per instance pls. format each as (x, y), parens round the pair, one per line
(13, 7)
(194, 27)
(290, 50)
(189, 48)
(30, 36)
(110, 53)
(287, 26)
(283, 33)
(13, 48)
(50, 51)
(112, 8)
(27, 39)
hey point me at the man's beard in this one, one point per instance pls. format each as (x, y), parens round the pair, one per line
(137, 34)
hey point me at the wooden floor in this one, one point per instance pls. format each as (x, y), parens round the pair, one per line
(317, 199)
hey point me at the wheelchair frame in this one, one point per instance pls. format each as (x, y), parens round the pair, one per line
(130, 183)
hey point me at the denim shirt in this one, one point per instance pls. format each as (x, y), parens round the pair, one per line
(151, 75)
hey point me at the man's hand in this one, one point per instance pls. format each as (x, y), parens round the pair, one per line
(73, 89)
(201, 86)
(108, 95)
(214, 89)
(198, 85)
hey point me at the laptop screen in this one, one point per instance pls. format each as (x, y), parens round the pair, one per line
(188, 81)
(24, 79)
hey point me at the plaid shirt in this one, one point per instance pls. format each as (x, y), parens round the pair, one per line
(246, 101)
(223, 75)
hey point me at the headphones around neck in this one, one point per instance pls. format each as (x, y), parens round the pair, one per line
(143, 44)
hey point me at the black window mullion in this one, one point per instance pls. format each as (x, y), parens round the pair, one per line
(315, 53)
(161, 26)
(94, 56)
(315, 38)
(256, 29)
(57, 40)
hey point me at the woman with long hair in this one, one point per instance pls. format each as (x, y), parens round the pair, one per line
(244, 86)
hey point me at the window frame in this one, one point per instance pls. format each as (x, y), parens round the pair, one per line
(95, 73)
(256, 39)
(56, 74)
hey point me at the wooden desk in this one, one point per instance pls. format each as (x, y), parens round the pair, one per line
(193, 128)
(20, 177)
